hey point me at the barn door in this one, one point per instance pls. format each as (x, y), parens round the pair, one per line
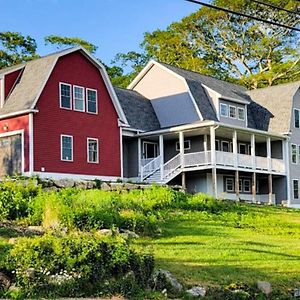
(11, 155)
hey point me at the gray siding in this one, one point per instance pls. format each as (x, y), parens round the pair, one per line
(130, 158)
(232, 121)
(295, 139)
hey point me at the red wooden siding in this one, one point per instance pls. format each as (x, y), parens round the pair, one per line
(9, 81)
(51, 121)
(18, 123)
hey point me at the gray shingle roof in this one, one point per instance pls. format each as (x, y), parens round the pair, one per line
(279, 101)
(138, 110)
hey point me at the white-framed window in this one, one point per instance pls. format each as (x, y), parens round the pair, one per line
(92, 150)
(187, 145)
(78, 95)
(225, 146)
(247, 185)
(66, 146)
(241, 114)
(65, 95)
(232, 112)
(223, 110)
(229, 185)
(91, 101)
(150, 149)
(296, 118)
(294, 154)
(296, 188)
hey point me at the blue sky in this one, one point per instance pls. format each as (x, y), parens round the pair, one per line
(113, 25)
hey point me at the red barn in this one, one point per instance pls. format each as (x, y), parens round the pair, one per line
(60, 118)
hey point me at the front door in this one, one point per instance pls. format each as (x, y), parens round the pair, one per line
(150, 150)
(11, 155)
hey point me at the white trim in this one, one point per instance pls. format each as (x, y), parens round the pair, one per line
(217, 141)
(18, 113)
(87, 147)
(231, 106)
(17, 132)
(31, 145)
(240, 101)
(294, 179)
(227, 179)
(87, 101)
(121, 153)
(61, 149)
(294, 119)
(227, 109)
(225, 142)
(177, 145)
(243, 185)
(238, 114)
(144, 152)
(245, 148)
(83, 98)
(70, 86)
(2, 92)
(72, 176)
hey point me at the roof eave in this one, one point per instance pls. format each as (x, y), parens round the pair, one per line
(17, 113)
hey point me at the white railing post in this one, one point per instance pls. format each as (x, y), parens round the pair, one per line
(253, 151)
(205, 148)
(269, 154)
(234, 148)
(181, 148)
(161, 153)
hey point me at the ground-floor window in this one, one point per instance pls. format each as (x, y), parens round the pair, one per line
(296, 188)
(92, 150)
(229, 184)
(66, 144)
(244, 185)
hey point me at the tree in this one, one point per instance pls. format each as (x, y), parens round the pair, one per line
(16, 48)
(231, 47)
(62, 42)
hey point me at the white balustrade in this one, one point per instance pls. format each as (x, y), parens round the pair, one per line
(150, 167)
(197, 159)
(278, 165)
(262, 163)
(172, 165)
(225, 158)
(245, 161)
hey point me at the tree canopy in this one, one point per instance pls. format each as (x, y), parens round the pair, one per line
(227, 46)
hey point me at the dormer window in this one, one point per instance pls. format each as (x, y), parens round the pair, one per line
(241, 114)
(296, 118)
(232, 112)
(65, 95)
(223, 110)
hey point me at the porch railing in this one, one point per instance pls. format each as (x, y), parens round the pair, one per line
(150, 167)
(171, 166)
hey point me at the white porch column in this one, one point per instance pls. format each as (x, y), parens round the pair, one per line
(253, 151)
(181, 148)
(269, 154)
(213, 160)
(254, 187)
(286, 158)
(234, 148)
(161, 153)
(139, 156)
(270, 184)
(205, 147)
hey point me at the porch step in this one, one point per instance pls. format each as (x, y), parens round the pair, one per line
(155, 177)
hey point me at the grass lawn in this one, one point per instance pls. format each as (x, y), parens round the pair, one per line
(257, 243)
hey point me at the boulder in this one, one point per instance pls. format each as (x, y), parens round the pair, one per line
(128, 234)
(83, 185)
(5, 282)
(38, 230)
(105, 186)
(107, 232)
(264, 287)
(64, 183)
(296, 293)
(12, 241)
(129, 186)
(30, 273)
(196, 291)
(163, 279)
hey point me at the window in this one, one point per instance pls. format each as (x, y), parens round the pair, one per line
(91, 96)
(224, 110)
(150, 150)
(92, 150)
(294, 153)
(229, 185)
(217, 145)
(241, 114)
(65, 95)
(187, 145)
(66, 147)
(296, 117)
(296, 188)
(78, 94)
(232, 112)
(242, 148)
(247, 185)
(225, 146)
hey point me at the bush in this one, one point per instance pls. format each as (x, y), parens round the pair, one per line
(76, 265)
(15, 198)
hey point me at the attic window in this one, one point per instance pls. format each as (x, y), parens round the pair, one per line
(224, 110)
(296, 118)
(79, 103)
(65, 95)
(241, 114)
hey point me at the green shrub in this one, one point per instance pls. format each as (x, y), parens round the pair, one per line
(76, 265)
(15, 198)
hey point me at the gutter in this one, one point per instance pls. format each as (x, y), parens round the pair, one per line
(17, 113)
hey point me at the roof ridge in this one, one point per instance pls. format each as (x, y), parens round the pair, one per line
(277, 85)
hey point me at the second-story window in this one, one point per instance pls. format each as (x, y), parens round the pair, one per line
(241, 114)
(91, 101)
(294, 153)
(78, 98)
(296, 118)
(224, 110)
(232, 112)
(65, 95)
